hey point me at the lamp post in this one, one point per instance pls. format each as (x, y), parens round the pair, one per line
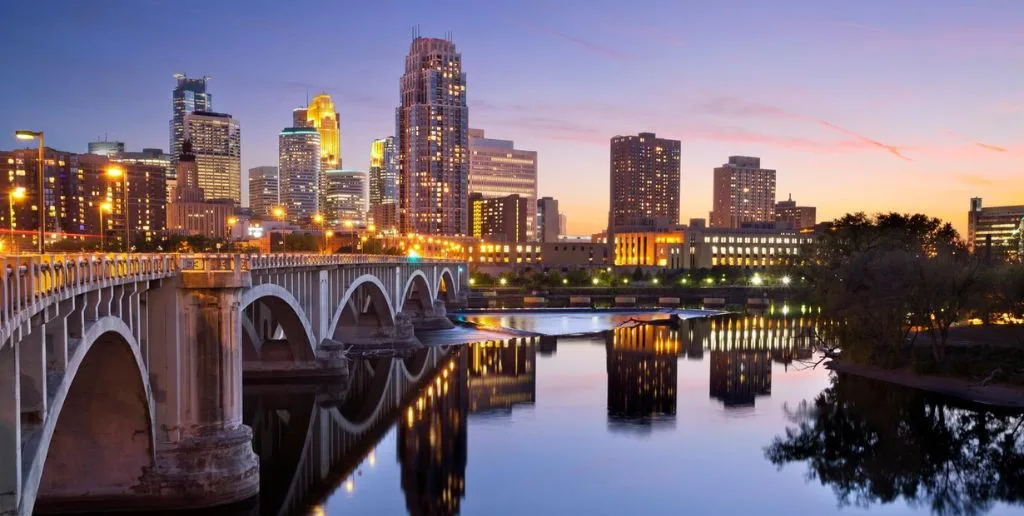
(120, 173)
(105, 206)
(318, 219)
(22, 134)
(231, 232)
(16, 195)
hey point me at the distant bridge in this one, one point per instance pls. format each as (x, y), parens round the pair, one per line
(142, 357)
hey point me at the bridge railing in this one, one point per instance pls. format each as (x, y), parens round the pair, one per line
(27, 280)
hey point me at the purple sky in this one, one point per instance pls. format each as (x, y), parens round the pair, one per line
(911, 105)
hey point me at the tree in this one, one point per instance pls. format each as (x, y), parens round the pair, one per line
(578, 277)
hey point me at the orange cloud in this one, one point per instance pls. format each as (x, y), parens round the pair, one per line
(991, 147)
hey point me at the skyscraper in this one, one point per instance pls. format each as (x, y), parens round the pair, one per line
(190, 212)
(264, 190)
(547, 219)
(189, 96)
(743, 193)
(345, 196)
(498, 169)
(383, 175)
(299, 168)
(320, 114)
(432, 139)
(155, 157)
(217, 146)
(644, 182)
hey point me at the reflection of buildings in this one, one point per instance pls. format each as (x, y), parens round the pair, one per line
(502, 374)
(737, 377)
(432, 444)
(548, 345)
(642, 373)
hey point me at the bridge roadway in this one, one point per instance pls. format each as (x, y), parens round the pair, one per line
(121, 375)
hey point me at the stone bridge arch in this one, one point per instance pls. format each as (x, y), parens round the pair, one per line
(274, 326)
(365, 316)
(447, 287)
(104, 399)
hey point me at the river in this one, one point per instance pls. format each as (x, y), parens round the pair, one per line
(721, 415)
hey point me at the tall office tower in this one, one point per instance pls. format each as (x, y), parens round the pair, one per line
(547, 219)
(321, 115)
(153, 157)
(190, 212)
(299, 117)
(106, 148)
(498, 169)
(264, 191)
(383, 175)
(217, 147)
(787, 213)
(744, 193)
(299, 168)
(345, 197)
(189, 96)
(644, 182)
(498, 218)
(432, 140)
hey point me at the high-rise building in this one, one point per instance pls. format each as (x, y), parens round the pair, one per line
(432, 140)
(145, 215)
(548, 219)
(19, 169)
(644, 182)
(106, 148)
(264, 191)
(217, 147)
(189, 96)
(743, 193)
(498, 169)
(996, 229)
(321, 115)
(787, 213)
(498, 218)
(152, 157)
(299, 168)
(383, 172)
(190, 212)
(299, 117)
(345, 197)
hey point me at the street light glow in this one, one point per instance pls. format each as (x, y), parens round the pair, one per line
(22, 134)
(107, 206)
(18, 193)
(278, 212)
(785, 280)
(115, 172)
(756, 280)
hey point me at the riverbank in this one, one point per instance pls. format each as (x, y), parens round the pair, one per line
(995, 395)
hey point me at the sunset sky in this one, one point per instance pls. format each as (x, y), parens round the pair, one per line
(910, 105)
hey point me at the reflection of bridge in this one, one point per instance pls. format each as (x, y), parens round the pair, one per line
(141, 356)
(310, 440)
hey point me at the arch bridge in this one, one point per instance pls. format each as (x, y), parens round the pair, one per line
(142, 357)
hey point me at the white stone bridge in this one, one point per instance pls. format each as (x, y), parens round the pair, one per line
(121, 375)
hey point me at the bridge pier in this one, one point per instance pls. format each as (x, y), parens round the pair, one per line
(10, 431)
(204, 454)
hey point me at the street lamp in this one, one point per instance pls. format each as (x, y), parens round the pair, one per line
(105, 206)
(318, 219)
(786, 280)
(119, 173)
(22, 134)
(278, 213)
(231, 232)
(16, 195)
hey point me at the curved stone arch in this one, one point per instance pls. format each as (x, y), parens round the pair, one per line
(105, 326)
(365, 418)
(408, 285)
(453, 286)
(332, 329)
(277, 293)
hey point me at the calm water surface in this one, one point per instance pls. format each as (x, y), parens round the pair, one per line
(722, 416)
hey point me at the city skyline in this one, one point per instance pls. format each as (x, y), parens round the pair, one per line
(827, 125)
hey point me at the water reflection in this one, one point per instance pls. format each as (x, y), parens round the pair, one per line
(875, 443)
(314, 441)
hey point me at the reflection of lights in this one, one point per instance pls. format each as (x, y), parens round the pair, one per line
(350, 486)
(317, 511)
(372, 459)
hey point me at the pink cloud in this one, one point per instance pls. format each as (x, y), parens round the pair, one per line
(595, 48)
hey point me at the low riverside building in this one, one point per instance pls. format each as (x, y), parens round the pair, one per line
(698, 247)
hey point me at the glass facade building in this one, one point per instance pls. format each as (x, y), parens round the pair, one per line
(189, 96)
(217, 146)
(345, 196)
(299, 168)
(498, 169)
